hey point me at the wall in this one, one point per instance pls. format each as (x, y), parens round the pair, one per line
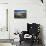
(3, 21)
(3, 1)
(3, 34)
(35, 13)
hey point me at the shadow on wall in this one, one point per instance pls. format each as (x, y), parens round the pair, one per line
(41, 34)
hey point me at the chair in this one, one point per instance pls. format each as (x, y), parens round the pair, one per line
(33, 30)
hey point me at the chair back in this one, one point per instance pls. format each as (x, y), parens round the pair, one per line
(33, 29)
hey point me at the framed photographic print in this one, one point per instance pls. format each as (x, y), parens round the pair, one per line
(19, 13)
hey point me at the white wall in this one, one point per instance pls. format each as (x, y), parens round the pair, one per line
(35, 14)
(3, 34)
(3, 21)
(3, 1)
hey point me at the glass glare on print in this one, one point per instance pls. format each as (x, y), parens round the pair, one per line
(19, 13)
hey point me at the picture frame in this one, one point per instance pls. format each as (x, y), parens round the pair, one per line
(20, 13)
